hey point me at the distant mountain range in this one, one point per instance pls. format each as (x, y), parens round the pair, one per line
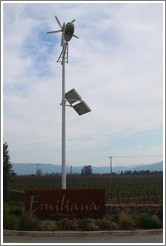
(31, 168)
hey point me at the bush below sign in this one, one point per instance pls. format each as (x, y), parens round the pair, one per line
(52, 204)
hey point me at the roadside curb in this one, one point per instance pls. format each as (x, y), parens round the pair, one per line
(80, 233)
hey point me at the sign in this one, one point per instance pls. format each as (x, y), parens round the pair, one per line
(50, 204)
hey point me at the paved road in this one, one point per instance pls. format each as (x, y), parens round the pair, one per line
(87, 239)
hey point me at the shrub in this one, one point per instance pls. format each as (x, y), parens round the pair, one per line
(125, 221)
(88, 225)
(48, 225)
(68, 224)
(105, 224)
(16, 210)
(5, 209)
(108, 217)
(147, 221)
(92, 227)
(11, 222)
(29, 223)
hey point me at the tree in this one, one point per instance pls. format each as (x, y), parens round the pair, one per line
(7, 168)
(87, 170)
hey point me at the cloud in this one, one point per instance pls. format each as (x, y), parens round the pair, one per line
(116, 66)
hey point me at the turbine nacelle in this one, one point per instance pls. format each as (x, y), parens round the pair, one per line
(67, 31)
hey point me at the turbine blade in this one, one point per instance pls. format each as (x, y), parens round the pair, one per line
(54, 31)
(75, 36)
(62, 39)
(63, 26)
(58, 21)
(73, 20)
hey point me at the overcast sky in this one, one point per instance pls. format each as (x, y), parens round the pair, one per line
(116, 66)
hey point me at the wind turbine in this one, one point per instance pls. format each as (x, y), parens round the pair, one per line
(71, 96)
(67, 33)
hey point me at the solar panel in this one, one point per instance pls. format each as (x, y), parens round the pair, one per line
(72, 96)
(81, 108)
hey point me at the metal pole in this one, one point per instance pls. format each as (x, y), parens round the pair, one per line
(63, 124)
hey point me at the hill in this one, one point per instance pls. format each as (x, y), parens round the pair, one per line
(151, 167)
(31, 168)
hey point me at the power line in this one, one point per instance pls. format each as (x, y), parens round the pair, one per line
(116, 156)
(99, 159)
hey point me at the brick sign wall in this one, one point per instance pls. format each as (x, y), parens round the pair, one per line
(66, 202)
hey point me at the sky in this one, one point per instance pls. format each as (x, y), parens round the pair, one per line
(116, 66)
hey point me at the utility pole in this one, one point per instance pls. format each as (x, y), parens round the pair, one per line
(110, 164)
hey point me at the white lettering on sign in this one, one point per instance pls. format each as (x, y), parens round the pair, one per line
(62, 204)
